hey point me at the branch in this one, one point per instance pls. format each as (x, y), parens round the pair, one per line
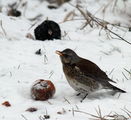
(99, 22)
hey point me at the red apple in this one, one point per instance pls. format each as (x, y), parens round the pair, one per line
(42, 90)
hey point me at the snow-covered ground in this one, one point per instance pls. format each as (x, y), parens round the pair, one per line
(20, 66)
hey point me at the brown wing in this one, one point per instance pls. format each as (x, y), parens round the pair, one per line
(92, 70)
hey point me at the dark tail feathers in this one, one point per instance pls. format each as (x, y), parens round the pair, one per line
(118, 89)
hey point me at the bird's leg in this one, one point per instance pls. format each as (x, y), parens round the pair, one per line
(84, 97)
(78, 94)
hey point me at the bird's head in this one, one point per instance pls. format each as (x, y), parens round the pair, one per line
(68, 56)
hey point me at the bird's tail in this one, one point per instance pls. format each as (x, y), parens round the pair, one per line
(118, 89)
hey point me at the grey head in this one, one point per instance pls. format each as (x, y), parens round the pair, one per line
(68, 56)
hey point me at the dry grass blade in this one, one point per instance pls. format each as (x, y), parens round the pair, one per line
(49, 102)
(41, 118)
(73, 112)
(32, 25)
(86, 113)
(25, 5)
(51, 73)
(45, 59)
(127, 112)
(111, 71)
(24, 117)
(69, 15)
(2, 28)
(117, 117)
(125, 76)
(37, 17)
(87, 18)
(99, 112)
(77, 107)
(67, 100)
(110, 116)
(127, 71)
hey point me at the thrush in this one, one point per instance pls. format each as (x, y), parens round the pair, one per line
(83, 75)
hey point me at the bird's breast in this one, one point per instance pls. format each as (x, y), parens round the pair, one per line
(69, 71)
(72, 76)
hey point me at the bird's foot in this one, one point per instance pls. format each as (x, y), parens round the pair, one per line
(84, 97)
(78, 94)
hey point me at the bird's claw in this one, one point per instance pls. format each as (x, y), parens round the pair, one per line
(84, 97)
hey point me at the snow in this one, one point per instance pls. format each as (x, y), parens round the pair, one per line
(20, 66)
(41, 85)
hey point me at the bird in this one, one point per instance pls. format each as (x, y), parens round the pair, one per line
(47, 30)
(83, 75)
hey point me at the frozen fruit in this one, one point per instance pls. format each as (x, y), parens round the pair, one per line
(42, 90)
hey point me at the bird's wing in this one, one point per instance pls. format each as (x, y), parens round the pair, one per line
(93, 82)
(92, 70)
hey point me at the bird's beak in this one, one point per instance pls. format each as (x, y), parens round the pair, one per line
(59, 53)
(49, 32)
